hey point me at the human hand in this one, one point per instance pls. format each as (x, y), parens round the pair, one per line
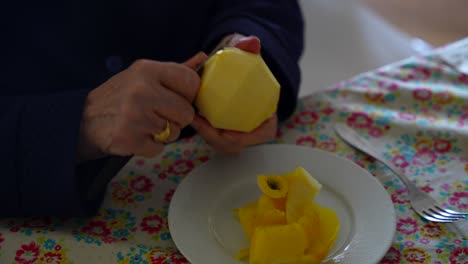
(121, 116)
(232, 142)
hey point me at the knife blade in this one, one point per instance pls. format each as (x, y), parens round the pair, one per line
(354, 139)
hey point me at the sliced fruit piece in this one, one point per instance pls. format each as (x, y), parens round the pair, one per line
(302, 189)
(328, 232)
(310, 221)
(278, 244)
(267, 213)
(247, 215)
(243, 254)
(273, 186)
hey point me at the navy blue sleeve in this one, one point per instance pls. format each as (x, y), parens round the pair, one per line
(279, 25)
(39, 137)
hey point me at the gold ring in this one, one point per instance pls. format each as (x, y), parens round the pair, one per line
(164, 135)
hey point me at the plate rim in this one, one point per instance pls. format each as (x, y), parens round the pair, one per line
(385, 242)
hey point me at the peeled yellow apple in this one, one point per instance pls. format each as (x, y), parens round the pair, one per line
(238, 91)
(278, 244)
(302, 189)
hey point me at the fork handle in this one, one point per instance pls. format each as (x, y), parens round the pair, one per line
(398, 172)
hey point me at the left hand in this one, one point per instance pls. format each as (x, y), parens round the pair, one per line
(233, 142)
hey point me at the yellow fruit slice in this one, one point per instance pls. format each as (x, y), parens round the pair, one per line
(247, 215)
(310, 221)
(243, 254)
(302, 189)
(237, 91)
(273, 186)
(267, 213)
(278, 244)
(329, 226)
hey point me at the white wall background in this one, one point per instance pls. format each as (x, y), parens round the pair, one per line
(344, 38)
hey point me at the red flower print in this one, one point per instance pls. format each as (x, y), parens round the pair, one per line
(422, 94)
(400, 196)
(416, 255)
(279, 133)
(463, 120)
(432, 230)
(169, 195)
(97, 228)
(393, 256)
(423, 145)
(407, 116)
(122, 193)
(1, 240)
(377, 97)
(140, 162)
(463, 78)
(443, 98)
(307, 141)
(142, 184)
(375, 132)
(442, 145)
(359, 120)
(162, 175)
(328, 111)
(459, 256)
(28, 254)
(306, 118)
(459, 199)
(400, 162)
(58, 248)
(329, 146)
(181, 167)
(152, 224)
(419, 74)
(52, 258)
(407, 226)
(203, 159)
(424, 158)
(427, 189)
(389, 86)
(178, 259)
(158, 256)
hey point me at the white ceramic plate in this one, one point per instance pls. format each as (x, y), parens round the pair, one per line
(206, 231)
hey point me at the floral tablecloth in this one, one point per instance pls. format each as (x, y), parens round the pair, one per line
(415, 111)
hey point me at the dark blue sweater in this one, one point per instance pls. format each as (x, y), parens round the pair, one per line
(55, 52)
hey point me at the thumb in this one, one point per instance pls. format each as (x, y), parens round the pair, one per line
(196, 60)
(249, 44)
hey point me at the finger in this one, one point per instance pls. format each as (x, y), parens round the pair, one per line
(264, 133)
(215, 138)
(171, 106)
(177, 77)
(158, 125)
(180, 79)
(135, 142)
(249, 44)
(196, 61)
(147, 147)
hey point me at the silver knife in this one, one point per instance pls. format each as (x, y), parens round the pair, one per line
(354, 139)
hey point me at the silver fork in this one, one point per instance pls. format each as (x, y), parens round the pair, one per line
(421, 202)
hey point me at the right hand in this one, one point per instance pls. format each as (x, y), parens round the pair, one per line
(121, 116)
